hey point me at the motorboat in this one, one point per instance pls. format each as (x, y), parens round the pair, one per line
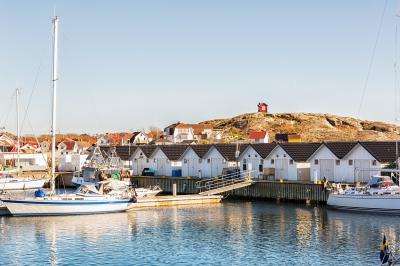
(380, 195)
(11, 182)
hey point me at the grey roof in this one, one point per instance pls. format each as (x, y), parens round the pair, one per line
(340, 148)
(382, 151)
(173, 152)
(301, 151)
(228, 151)
(201, 149)
(263, 149)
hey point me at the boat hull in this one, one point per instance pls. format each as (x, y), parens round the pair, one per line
(20, 184)
(43, 207)
(389, 204)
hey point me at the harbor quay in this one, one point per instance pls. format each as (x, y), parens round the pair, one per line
(261, 189)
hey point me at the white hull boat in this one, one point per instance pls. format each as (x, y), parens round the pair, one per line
(376, 204)
(65, 206)
(20, 183)
(381, 195)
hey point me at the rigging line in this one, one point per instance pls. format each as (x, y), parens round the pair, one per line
(34, 87)
(372, 58)
(8, 111)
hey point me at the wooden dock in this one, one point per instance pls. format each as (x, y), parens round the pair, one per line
(260, 189)
(176, 200)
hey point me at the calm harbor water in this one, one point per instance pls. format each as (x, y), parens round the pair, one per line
(231, 233)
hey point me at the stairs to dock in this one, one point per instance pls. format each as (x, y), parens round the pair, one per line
(224, 183)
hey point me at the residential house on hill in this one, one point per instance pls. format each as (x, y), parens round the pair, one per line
(6, 140)
(114, 139)
(139, 137)
(179, 132)
(259, 137)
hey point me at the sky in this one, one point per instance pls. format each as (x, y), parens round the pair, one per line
(129, 65)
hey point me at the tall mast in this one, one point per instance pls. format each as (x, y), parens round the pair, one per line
(18, 134)
(55, 21)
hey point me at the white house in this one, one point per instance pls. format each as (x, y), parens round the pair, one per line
(259, 137)
(252, 158)
(166, 159)
(71, 162)
(6, 140)
(289, 160)
(139, 138)
(141, 159)
(28, 161)
(328, 161)
(67, 146)
(192, 160)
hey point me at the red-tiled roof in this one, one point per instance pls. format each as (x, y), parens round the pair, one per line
(257, 135)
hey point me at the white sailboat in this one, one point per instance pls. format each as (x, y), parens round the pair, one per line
(380, 195)
(10, 182)
(86, 201)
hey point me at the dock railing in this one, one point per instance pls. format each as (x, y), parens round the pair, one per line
(223, 181)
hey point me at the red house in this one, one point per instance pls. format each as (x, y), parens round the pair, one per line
(262, 108)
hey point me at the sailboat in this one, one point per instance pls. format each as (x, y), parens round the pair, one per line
(87, 200)
(10, 182)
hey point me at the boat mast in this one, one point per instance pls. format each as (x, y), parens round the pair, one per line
(18, 134)
(55, 21)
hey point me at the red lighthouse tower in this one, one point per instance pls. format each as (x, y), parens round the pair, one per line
(262, 108)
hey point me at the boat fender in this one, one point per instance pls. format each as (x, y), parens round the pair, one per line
(40, 193)
(133, 199)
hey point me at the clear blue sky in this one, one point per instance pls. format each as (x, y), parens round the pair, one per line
(127, 65)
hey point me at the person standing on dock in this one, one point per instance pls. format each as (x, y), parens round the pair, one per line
(325, 184)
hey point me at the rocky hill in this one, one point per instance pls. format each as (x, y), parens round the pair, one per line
(311, 126)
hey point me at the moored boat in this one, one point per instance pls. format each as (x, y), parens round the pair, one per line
(380, 195)
(87, 200)
(11, 182)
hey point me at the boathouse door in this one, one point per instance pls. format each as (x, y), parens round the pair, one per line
(327, 169)
(281, 168)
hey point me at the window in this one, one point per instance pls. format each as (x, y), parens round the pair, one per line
(154, 160)
(256, 155)
(185, 161)
(316, 162)
(373, 162)
(200, 160)
(272, 161)
(260, 168)
(290, 161)
(135, 160)
(284, 156)
(208, 160)
(147, 160)
(248, 155)
(338, 162)
(244, 167)
(261, 161)
(350, 162)
(244, 161)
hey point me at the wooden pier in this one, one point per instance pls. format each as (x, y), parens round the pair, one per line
(260, 189)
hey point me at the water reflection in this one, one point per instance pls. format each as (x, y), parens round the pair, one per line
(229, 233)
